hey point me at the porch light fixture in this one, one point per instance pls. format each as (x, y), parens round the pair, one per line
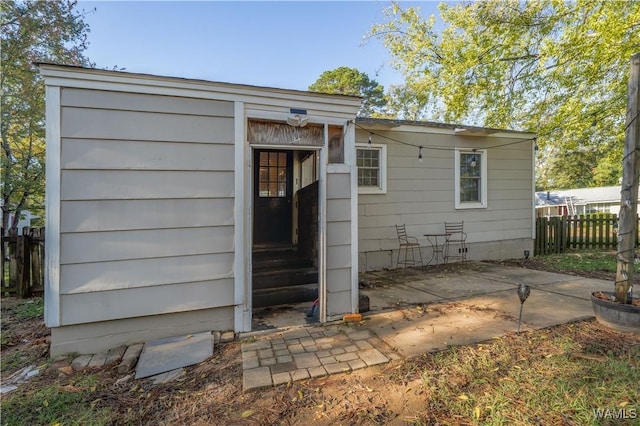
(474, 160)
(369, 141)
(297, 117)
(420, 154)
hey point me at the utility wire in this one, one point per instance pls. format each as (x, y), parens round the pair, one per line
(437, 148)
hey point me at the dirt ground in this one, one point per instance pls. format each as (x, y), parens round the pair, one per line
(211, 392)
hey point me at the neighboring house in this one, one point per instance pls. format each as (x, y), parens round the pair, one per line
(579, 201)
(26, 218)
(166, 197)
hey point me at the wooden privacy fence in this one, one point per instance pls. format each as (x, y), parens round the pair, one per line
(23, 262)
(592, 232)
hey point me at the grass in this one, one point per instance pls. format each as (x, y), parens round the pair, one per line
(33, 308)
(55, 404)
(588, 261)
(522, 380)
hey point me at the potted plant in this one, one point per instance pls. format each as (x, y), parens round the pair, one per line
(619, 309)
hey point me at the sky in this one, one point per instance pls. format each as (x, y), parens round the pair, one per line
(284, 44)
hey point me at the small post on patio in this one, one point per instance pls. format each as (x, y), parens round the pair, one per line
(523, 293)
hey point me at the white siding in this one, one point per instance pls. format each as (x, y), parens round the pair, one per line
(421, 195)
(118, 215)
(339, 262)
(93, 154)
(94, 337)
(144, 126)
(147, 196)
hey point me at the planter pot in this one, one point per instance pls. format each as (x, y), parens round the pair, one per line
(622, 317)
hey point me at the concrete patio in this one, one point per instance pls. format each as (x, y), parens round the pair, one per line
(414, 312)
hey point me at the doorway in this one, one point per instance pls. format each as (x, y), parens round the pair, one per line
(285, 237)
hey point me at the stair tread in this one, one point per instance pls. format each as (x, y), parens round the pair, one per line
(284, 271)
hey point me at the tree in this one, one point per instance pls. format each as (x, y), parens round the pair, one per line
(350, 81)
(553, 67)
(32, 31)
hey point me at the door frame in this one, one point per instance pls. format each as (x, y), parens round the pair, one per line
(322, 225)
(243, 216)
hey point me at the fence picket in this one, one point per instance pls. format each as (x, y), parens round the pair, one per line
(23, 259)
(561, 233)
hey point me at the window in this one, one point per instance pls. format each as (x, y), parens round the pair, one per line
(471, 178)
(273, 174)
(372, 168)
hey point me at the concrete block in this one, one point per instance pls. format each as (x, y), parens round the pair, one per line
(130, 358)
(283, 367)
(295, 334)
(281, 378)
(115, 355)
(306, 360)
(363, 344)
(296, 349)
(249, 363)
(360, 335)
(267, 362)
(81, 362)
(327, 360)
(284, 359)
(227, 336)
(340, 367)
(357, 364)
(350, 356)
(317, 371)
(256, 378)
(256, 346)
(98, 360)
(300, 374)
(373, 357)
(265, 353)
(351, 348)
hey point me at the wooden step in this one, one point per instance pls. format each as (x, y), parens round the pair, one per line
(285, 295)
(279, 259)
(274, 278)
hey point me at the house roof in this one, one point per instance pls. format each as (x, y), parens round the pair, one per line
(579, 196)
(53, 65)
(459, 129)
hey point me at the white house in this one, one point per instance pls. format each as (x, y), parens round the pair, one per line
(166, 198)
(579, 201)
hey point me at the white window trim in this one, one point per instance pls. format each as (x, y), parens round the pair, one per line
(382, 187)
(483, 179)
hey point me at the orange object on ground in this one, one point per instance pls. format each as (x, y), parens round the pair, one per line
(352, 318)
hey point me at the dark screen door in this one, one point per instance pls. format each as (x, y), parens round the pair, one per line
(272, 196)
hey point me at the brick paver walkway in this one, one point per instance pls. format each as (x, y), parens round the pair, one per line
(307, 352)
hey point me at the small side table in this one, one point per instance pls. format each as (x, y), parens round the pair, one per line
(438, 249)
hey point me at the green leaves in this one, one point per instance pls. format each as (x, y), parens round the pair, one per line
(350, 81)
(32, 31)
(556, 68)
